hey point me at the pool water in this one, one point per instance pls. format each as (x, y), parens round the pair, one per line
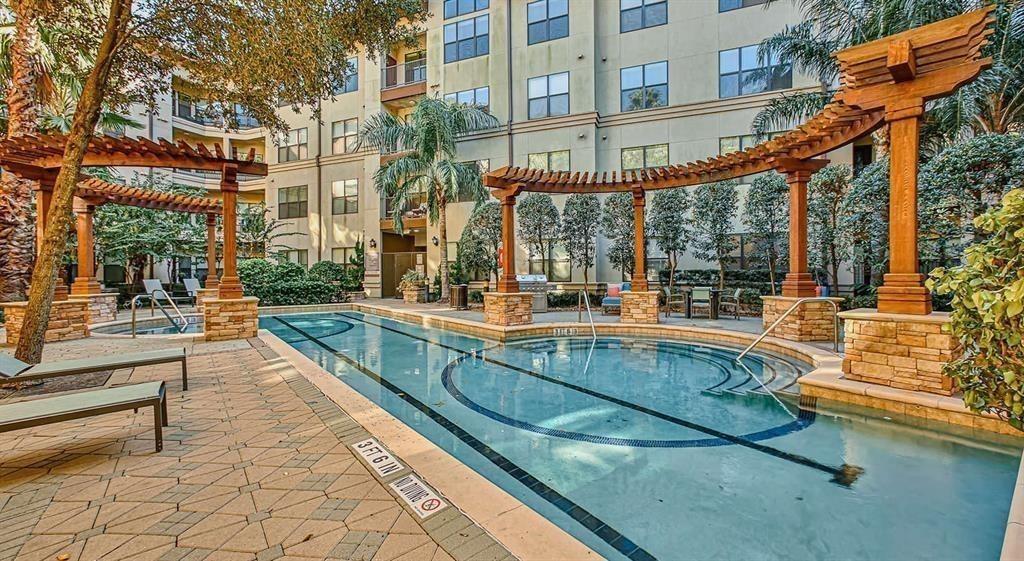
(667, 450)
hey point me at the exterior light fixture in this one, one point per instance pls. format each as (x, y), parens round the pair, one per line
(434, 240)
(373, 243)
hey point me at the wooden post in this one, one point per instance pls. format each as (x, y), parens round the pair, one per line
(799, 283)
(639, 281)
(230, 285)
(44, 196)
(508, 282)
(85, 281)
(903, 290)
(211, 252)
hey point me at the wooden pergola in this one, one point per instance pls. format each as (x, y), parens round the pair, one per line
(38, 158)
(887, 81)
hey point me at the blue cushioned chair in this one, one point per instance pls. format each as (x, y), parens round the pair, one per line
(610, 303)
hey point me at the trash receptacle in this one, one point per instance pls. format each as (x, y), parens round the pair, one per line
(459, 297)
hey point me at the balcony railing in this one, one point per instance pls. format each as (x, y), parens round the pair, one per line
(404, 74)
(196, 111)
(413, 207)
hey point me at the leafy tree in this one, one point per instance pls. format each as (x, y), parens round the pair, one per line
(826, 239)
(990, 104)
(667, 225)
(766, 215)
(617, 225)
(714, 208)
(578, 234)
(961, 183)
(539, 226)
(481, 238)
(988, 313)
(430, 165)
(135, 237)
(864, 219)
(225, 50)
(258, 233)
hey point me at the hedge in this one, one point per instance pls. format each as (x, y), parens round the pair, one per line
(285, 284)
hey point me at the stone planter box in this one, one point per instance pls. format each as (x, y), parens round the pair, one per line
(414, 295)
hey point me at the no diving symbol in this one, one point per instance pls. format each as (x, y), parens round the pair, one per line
(430, 504)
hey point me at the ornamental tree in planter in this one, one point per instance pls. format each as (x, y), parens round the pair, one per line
(413, 286)
(988, 313)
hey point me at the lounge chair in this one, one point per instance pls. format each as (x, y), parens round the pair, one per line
(192, 287)
(155, 289)
(731, 301)
(613, 301)
(13, 370)
(49, 410)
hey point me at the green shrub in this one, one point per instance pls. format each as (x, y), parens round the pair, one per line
(476, 297)
(988, 313)
(570, 299)
(285, 284)
(327, 271)
(860, 301)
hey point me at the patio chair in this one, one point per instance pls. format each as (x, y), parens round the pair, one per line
(193, 287)
(79, 405)
(155, 289)
(701, 295)
(731, 301)
(13, 370)
(613, 301)
(673, 298)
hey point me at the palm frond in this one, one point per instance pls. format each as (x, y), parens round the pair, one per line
(788, 110)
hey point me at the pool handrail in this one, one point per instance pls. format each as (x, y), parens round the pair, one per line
(583, 297)
(153, 300)
(798, 303)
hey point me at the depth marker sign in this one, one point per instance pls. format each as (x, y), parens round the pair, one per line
(421, 498)
(379, 458)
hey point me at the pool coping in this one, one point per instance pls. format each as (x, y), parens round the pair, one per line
(1013, 539)
(526, 534)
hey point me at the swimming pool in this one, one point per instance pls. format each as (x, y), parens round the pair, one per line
(152, 326)
(667, 450)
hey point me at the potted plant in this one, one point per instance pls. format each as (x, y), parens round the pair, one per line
(413, 286)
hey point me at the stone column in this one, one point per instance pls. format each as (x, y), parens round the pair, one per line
(639, 281)
(507, 282)
(211, 252)
(230, 285)
(85, 281)
(44, 195)
(903, 290)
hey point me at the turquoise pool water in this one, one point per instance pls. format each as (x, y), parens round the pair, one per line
(665, 450)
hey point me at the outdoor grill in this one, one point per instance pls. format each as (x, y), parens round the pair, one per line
(538, 285)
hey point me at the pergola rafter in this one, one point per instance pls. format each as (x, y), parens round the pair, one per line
(887, 81)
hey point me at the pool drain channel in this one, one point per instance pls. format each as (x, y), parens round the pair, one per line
(844, 475)
(606, 533)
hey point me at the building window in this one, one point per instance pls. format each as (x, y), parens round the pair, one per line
(293, 146)
(465, 197)
(343, 255)
(345, 196)
(344, 136)
(456, 8)
(480, 97)
(551, 161)
(548, 95)
(728, 144)
(729, 5)
(547, 20)
(467, 38)
(300, 256)
(350, 82)
(638, 14)
(640, 157)
(292, 202)
(555, 264)
(644, 86)
(737, 69)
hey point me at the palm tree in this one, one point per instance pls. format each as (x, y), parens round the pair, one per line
(427, 138)
(992, 103)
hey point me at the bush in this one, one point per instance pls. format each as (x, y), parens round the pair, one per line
(285, 284)
(860, 301)
(570, 299)
(476, 297)
(327, 271)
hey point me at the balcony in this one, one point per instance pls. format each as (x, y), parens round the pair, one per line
(415, 215)
(195, 111)
(401, 81)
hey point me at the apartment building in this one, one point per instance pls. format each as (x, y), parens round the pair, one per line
(576, 84)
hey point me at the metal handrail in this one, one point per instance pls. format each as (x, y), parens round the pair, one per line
(152, 300)
(583, 297)
(835, 327)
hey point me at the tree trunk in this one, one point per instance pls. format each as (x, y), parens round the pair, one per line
(17, 225)
(721, 272)
(771, 272)
(671, 270)
(58, 229)
(442, 226)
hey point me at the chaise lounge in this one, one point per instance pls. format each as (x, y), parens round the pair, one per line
(13, 370)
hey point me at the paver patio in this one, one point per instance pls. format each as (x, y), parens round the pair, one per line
(256, 466)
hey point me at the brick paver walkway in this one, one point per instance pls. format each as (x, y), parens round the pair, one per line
(256, 466)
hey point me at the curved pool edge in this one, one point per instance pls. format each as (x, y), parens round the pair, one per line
(127, 322)
(528, 535)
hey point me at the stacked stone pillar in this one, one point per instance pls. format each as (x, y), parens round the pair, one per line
(639, 305)
(508, 306)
